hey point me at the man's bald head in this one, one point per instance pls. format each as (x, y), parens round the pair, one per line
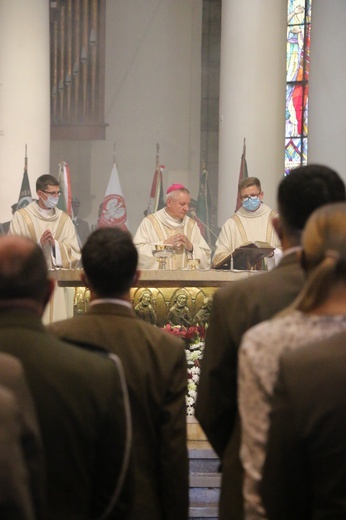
(23, 270)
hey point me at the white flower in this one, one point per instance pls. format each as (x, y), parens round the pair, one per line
(192, 393)
(194, 352)
(194, 356)
(190, 410)
(198, 345)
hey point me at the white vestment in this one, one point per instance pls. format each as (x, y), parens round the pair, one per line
(159, 226)
(247, 226)
(31, 222)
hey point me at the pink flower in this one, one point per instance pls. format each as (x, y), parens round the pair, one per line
(190, 333)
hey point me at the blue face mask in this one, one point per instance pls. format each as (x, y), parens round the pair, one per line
(251, 204)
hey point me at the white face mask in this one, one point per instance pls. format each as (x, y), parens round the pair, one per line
(51, 201)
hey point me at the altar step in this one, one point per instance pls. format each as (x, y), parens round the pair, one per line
(204, 476)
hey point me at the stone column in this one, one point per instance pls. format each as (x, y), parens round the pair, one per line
(327, 111)
(252, 97)
(24, 96)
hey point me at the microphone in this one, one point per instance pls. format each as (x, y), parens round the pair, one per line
(196, 218)
(205, 225)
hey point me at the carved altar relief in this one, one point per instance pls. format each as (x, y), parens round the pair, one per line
(145, 308)
(159, 305)
(164, 300)
(179, 312)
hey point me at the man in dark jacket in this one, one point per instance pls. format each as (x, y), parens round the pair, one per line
(155, 368)
(80, 397)
(241, 305)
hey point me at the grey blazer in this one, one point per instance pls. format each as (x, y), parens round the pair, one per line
(80, 401)
(22, 473)
(237, 307)
(13, 378)
(155, 368)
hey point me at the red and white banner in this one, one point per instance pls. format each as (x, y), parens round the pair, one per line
(113, 209)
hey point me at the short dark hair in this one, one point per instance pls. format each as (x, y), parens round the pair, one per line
(109, 259)
(23, 273)
(46, 180)
(305, 189)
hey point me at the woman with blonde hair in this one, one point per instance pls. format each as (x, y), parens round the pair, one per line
(324, 257)
(318, 313)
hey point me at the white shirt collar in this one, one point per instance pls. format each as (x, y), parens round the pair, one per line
(116, 301)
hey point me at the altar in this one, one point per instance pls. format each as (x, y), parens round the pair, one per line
(157, 292)
(179, 301)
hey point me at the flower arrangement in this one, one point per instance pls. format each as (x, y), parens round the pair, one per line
(194, 338)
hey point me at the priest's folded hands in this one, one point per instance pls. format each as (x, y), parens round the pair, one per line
(179, 240)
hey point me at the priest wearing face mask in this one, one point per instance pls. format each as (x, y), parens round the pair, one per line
(252, 222)
(55, 232)
(52, 228)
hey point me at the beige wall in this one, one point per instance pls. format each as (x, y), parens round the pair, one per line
(24, 96)
(153, 84)
(327, 117)
(253, 106)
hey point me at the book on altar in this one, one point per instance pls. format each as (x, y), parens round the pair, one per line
(246, 256)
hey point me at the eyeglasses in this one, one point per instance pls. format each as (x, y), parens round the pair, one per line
(250, 197)
(54, 193)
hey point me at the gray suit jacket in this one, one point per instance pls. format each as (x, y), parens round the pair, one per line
(23, 453)
(80, 402)
(155, 368)
(305, 471)
(237, 307)
(15, 496)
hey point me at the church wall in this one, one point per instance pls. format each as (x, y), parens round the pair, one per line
(252, 97)
(24, 96)
(327, 118)
(153, 95)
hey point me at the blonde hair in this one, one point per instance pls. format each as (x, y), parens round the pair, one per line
(249, 181)
(324, 255)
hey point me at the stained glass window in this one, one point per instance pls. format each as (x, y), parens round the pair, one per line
(297, 82)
